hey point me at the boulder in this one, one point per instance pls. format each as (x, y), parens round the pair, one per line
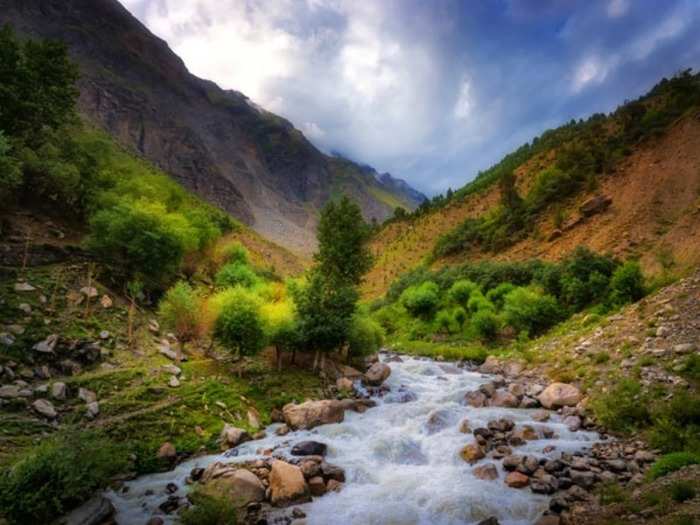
(559, 395)
(487, 471)
(438, 420)
(92, 410)
(167, 451)
(48, 345)
(526, 433)
(9, 391)
(332, 472)
(377, 374)
(287, 484)
(45, 408)
(313, 413)
(491, 366)
(24, 287)
(475, 399)
(317, 486)
(472, 453)
(241, 487)
(232, 437)
(464, 427)
(309, 448)
(87, 395)
(503, 398)
(595, 205)
(173, 382)
(172, 369)
(95, 511)
(517, 480)
(344, 384)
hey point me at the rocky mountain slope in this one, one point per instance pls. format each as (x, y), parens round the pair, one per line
(646, 205)
(217, 143)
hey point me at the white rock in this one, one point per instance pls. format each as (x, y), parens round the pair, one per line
(172, 369)
(47, 345)
(89, 291)
(45, 408)
(87, 395)
(26, 308)
(58, 390)
(174, 382)
(24, 287)
(93, 409)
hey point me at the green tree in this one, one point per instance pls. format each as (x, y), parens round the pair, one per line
(182, 310)
(240, 326)
(342, 256)
(627, 284)
(10, 172)
(37, 88)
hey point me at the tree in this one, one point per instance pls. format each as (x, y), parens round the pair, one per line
(240, 326)
(10, 172)
(182, 310)
(325, 313)
(342, 256)
(37, 88)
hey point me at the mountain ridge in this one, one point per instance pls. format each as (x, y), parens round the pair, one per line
(216, 142)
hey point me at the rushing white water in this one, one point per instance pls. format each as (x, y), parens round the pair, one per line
(398, 472)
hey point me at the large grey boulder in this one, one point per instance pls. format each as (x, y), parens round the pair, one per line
(559, 395)
(313, 413)
(377, 374)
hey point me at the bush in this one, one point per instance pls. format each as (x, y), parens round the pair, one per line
(209, 510)
(235, 253)
(486, 324)
(10, 172)
(136, 242)
(529, 311)
(478, 302)
(677, 423)
(682, 490)
(624, 408)
(236, 274)
(461, 290)
(459, 315)
(182, 309)
(421, 300)
(672, 462)
(365, 336)
(57, 476)
(239, 325)
(627, 284)
(497, 295)
(444, 321)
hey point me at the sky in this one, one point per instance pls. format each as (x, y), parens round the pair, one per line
(430, 91)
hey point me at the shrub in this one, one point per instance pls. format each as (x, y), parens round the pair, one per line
(497, 295)
(624, 408)
(236, 274)
(461, 290)
(182, 309)
(478, 302)
(365, 336)
(444, 321)
(681, 490)
(421, 300)
(209, 510)
(239, 325)
(459, 315)
(527, 310)
(672, 462)
(57, 476)
(235, 253)
(627, 284)
(10, 172)
(677, 423)
(486, 324)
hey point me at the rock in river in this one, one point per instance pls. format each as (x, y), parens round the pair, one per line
(377, 374)
(313, 413)
(287, 484)
(559, 395)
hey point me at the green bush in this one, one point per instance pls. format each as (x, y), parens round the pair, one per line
(461, 290)
(444, 321)
(57, 476)
(681, 491)
(459, 315)
(527, 310)
(236, 274)
(478, 302)
(497, 295)
(10, 172)
(677, 423)
(209, 510)
(624, 408)
(627, 284)
(421, 300)
(182, 310)
(239, 325)
(136, 242)
(236, 253)
(672, 462)
(486, 324)
(365, 336)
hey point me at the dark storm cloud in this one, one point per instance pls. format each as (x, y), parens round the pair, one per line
(431, 91)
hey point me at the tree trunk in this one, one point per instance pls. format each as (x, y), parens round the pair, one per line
(278, 355)
(316, 356)
(323, 361)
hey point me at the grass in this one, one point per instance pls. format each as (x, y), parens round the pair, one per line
(450, 351)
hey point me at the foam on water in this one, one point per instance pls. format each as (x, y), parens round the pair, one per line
(398, 471)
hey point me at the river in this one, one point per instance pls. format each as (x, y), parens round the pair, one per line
(399, 471)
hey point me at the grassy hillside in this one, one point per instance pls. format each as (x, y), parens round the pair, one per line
(645, 156)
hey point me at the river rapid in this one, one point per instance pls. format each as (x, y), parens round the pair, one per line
(399, 469)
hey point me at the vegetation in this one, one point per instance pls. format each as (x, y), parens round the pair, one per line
(209, 510)
(672, 462)
(488, 301)
(57, 476)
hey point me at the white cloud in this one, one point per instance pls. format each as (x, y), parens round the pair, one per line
(464, 103)
(617, 8)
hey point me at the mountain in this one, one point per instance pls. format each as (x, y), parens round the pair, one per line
(627, 183)
(217, 143)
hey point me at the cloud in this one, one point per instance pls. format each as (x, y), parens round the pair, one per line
(430, 91)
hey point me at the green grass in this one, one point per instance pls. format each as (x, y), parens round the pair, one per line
(450, 351)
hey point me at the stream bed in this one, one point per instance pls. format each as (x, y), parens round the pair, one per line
(400, 470)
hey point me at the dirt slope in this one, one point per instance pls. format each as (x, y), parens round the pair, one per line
(655, 214)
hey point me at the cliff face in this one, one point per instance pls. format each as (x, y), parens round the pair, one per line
(248, 161)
